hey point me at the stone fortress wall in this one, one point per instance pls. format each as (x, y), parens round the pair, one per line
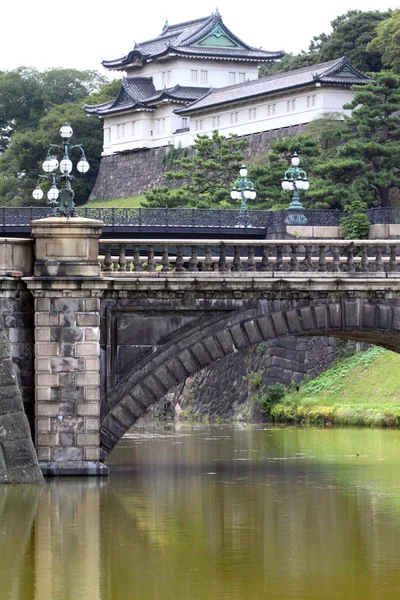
(132, 173)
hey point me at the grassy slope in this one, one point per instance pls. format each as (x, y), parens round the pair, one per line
(361, 390)
(133, 202)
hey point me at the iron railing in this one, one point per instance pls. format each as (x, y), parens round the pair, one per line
(194, 218)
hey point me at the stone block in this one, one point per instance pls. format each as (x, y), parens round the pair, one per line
(335, 316)
(88, 319)
(396, 318)
(42, 364)
(42, 304)
(321, 317)
(67, 438)
(253, 332)
(92, 364)
(19, 454)
(155, 386)
(47, 409)
(69, 453)
(188, 361)
(92, 334)
(266, 327)
(47, 439)
(66, 319)
(44, 454)
(177, 369)
(9, 399)
(239, 336)
(67, 349)
(92, 393)
(92, 453)
(92, 424)
(46, 349)
(70, 334)
(87, 349)
(384, 319)
(43, 425)
(307, 319)
(88, 439)
(200, 353)
(226, 342)
(88, 409)
(42, 334)
(293, 320)
(92, 304)
(352, 313)
(213, 348)
(4, 346)
(46, 319)
(14, 426)
(141, 396)
(67, 305)
(62, 364)
(7, 372)
(279, 322)
(43, 393)
(46, 379)
(166, 377)
(87, 379)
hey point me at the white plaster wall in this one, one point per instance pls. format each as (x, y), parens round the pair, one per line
(154, 129)
(179, 72)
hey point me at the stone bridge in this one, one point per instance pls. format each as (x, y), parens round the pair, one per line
(118, 324)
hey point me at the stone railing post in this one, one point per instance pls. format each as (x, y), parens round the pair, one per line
(66, 287)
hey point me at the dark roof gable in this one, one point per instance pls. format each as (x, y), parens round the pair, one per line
(202, 38)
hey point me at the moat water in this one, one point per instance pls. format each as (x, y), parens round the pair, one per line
(238, 513)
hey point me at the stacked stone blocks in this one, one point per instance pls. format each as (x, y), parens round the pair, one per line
(67, 378)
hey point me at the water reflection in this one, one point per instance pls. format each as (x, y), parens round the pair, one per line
(214, 513)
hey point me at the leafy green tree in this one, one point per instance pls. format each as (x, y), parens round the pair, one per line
(351, 34)
(355, 225)
(26, 94)
(20, 163)
(205, 175)
(387, 41)
(367, 161)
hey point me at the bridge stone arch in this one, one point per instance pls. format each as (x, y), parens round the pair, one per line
(194, 348)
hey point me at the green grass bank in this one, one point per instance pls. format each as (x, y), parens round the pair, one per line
(361, 390)
(133, 202)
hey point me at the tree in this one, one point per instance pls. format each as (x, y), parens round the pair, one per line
(368, 159)
(387, 41)
(20, 163)
(26, 94)
(351, 34)
(207, 173)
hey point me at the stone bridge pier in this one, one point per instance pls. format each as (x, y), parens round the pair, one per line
(66, 287)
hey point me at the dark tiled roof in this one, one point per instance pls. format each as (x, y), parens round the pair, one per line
(334, 72)
(182, 39)
(140, 93)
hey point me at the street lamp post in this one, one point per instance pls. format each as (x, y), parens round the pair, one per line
(295, 179)
(243, 190)
(61, 201)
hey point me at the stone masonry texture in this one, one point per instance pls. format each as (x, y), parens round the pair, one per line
(132, 173)
(67, 376)
(18, 460)
(225, 389)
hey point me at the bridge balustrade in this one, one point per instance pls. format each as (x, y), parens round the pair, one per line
(377, 257)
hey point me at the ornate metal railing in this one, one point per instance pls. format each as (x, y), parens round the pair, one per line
(380, 216)
(170, 218)
(193, 218)
(125, 257)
